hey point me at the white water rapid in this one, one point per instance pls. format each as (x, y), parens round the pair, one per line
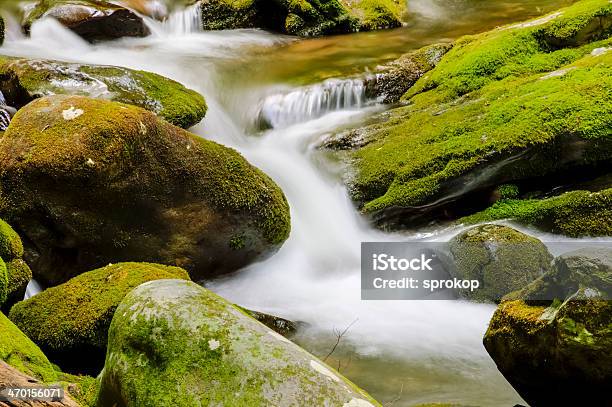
(428, 351)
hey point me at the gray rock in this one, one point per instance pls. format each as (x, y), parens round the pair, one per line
(174, 343)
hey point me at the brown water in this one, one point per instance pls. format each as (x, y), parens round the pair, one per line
(427, 22)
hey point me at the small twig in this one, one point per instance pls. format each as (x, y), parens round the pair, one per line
(339, 336)
(398, 398)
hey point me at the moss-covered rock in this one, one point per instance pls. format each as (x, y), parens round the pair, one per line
(70, 322)
(512, 104)
(3, 282)
(173, 343)
(557, 354)
(19, 351)
(22, 80)
(583, 269)
(17, 274)
(94, 20)
(394, 79)
(302, 17)
(90, 182)
(575, 213)
(501, 258)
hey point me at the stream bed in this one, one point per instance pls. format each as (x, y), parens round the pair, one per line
(402, 352)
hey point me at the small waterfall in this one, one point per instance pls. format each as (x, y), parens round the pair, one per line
(6, 113)
(32, 289)
(311, 102)
(179, 22)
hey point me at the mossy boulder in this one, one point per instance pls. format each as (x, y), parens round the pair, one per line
(302, 17)
(90, 182)
(394, 79)
(575, 213)
(501, 258)
(70, 322)
(557, 354)
(507, 106)
(16, 272)
(588, 269)
(94, 20)
(174, 343)
(17, 350)
(23, 80)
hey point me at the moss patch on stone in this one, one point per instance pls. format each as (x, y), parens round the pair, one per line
(70, 322)
(575, 213)
(517, 102)
(563, 346)
(304, 18)
(175, 343)
(21, 353)
(15, 273)
(22, 80)
(500, 258)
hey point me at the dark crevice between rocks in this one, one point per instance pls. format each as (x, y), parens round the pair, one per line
(476, 190)
(14, 93)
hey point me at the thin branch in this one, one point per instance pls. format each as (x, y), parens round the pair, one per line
(339, 336)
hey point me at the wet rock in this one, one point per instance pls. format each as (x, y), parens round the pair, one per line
(501, 258)
(70, 322)
(22, 80)
(487, 115)
(394, 79)
(588, 269)
(94, 20)
(556, 354)
(20, 352)
(91, 182)
(303, 18)
(152, 8)
(279, 325)
(14, 272)
(173, 343)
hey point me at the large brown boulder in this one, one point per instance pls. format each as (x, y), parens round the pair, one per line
(552, 339)
(89, 182)
(93, 20)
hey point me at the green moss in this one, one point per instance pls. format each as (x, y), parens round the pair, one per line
(3, 282)
(563, 346)
(167, 98)
(83, 389)
(304, 17)
(494, 96)
(21, 353)
(166, 195)
(19, 275)
(174, 343)
(10, 243)
(75, 316)
(576, 213)
(378, 14)
(508, 191)
(500, 258)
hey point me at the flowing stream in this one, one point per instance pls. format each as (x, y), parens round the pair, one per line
(403, 352)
